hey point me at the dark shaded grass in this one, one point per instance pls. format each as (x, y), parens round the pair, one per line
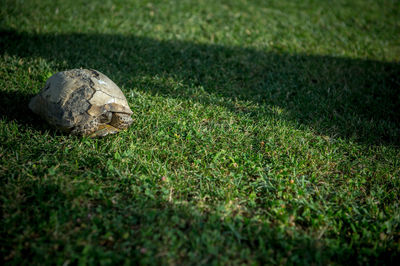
(68, 228)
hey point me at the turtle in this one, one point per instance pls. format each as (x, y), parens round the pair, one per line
(83, 102)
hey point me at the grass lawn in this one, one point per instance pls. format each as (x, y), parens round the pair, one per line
(265, 132)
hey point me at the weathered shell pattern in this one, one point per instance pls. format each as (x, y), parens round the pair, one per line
(80, 99)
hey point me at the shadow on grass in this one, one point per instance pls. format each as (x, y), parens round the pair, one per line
(339, 97)
(14, 104)
(141, 230)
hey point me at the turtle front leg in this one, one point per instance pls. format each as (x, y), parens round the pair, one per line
(94, 128)
(86, 129)
(121, 120)
(103, 131)
(97, 128)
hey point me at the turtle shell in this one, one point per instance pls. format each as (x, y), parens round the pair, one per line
(76, 97)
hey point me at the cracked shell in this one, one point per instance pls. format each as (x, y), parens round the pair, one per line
(80, 98)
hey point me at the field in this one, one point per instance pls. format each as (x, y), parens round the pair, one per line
(265, 132)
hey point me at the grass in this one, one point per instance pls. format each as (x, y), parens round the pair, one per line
(266, 132)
